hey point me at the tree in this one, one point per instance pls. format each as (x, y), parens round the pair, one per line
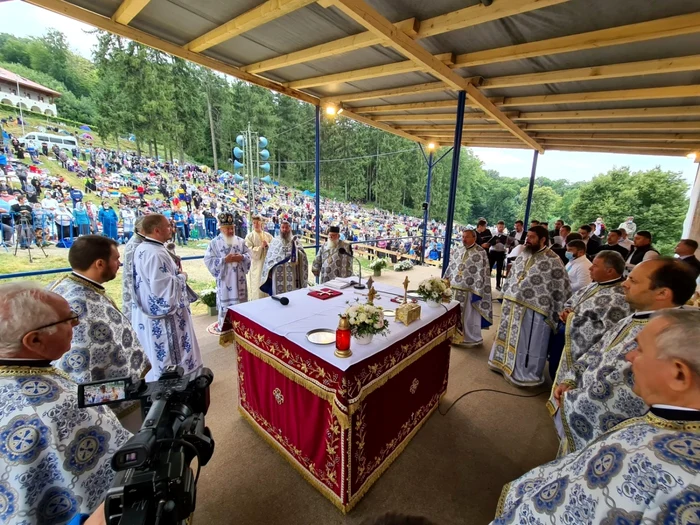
(545, 202)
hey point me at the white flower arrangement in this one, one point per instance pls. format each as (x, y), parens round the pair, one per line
(366, 319)
(208, 296)
(378, 264)
(402, 266)
(433, 289)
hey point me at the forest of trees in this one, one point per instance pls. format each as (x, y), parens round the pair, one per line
(129, 89)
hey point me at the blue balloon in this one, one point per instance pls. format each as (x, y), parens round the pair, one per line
(265, 167)
(263, 142)
(238, 153)
(237, 165)
(264, 154)
(240, 140)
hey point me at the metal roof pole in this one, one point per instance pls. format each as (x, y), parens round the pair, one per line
(317, 165)
(461, 101)
(530, 189)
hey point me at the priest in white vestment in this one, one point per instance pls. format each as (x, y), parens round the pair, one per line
(469, 273)
(533, 295)
(258, 241)
(596, 394)
(228, 260)
(161, 309)
(286, 267)
(643, 470)
(128, 272)
(329, 262)
(55, 458)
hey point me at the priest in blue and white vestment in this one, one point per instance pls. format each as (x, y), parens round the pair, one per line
(644, 470)
(228, 259)
(533, 296)
(161, 309)
(128, 272)
(55, 458)
(596, 393)
(470, 278)
(286, 267)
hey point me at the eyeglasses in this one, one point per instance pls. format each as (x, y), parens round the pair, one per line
(71, 319)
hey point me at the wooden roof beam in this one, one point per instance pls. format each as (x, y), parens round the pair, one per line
(429, 87)
(439, 117)
(380, 125)
(617, 145)
(260, 15)
(605, 96)
(628, 151)
(612, 114)
(626, 137)
(644, 31)
(467, 17)
(128, 10)
(367, 16)
(395, 68)
(617, 126)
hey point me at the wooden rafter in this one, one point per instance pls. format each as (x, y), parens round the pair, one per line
(624, 137)
(381, 125)
(127, 10)
(611, 114)
(617, 145)
(655, 29)
(467, 17)
(628, 151)
(365, 15)
(604, 96)
(429, 87)
(438, 117)
(251, 19)
(617, 126)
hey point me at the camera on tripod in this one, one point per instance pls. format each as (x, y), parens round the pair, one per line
(154, 482)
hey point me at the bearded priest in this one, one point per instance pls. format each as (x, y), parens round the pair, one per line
(329, 263)
(286, 267)
(470, 278)
(258, 241)
(228, 259)
(533, 295)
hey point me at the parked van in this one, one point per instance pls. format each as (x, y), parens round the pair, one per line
(63, 142)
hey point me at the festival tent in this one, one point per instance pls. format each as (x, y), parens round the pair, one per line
(85, 127)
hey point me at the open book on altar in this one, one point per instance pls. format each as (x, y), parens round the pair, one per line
(339, 284)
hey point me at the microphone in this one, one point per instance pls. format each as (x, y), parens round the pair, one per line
(284, 301)
(343, 251)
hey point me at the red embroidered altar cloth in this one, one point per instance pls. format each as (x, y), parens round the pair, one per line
(341, 423)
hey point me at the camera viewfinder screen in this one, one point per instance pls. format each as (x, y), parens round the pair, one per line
(107, 392)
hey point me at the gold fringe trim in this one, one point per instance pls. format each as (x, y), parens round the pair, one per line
(23, 371)
(388, 461)
(282, 368)
(502, 499)
(323, 489)
(384, 378)
(226, 339)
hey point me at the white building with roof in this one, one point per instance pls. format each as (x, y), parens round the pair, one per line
(32, 96)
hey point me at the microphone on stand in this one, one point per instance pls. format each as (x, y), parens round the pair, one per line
(284, 301)
(343, 251)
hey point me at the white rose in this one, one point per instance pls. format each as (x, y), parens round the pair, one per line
(362, 318)
(378, 325)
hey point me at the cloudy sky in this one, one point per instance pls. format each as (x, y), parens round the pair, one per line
(26, 20)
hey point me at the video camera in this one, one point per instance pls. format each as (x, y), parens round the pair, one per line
(154, 483)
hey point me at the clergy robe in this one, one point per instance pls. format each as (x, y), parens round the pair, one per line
(329, 263)
(254, 241)
(533, 296)
(161, 311)
(231, 285)
(286, 267)
(601, 394)
(55, 458)
(469, 273)
(128, 273)
(596, 309)
(104, 344)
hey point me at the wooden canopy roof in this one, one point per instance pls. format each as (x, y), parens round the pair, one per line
(617, 76)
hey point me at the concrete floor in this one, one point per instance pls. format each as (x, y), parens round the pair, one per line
(452, 472)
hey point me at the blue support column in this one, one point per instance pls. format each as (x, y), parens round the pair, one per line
(318, 177)
(457, 148)
(427, 206)
(530, 190)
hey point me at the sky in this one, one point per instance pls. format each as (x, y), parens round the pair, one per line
(25, 20)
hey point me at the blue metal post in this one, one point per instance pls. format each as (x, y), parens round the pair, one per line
(530, 189)
(427, 207)
(461, 101)
(318, 177)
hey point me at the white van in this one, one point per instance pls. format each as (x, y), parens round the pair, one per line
(65, 142)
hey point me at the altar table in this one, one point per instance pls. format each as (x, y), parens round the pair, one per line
(340, 422)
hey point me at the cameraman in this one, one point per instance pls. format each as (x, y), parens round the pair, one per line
(22, 213)
(55, 459)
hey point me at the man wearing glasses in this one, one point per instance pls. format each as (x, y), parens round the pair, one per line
(55, 458)
(105, 346)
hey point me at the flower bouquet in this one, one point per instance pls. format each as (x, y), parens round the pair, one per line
(433, 291)
(377, 265)
(208, 297)
(366, 321)
(402, 266)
